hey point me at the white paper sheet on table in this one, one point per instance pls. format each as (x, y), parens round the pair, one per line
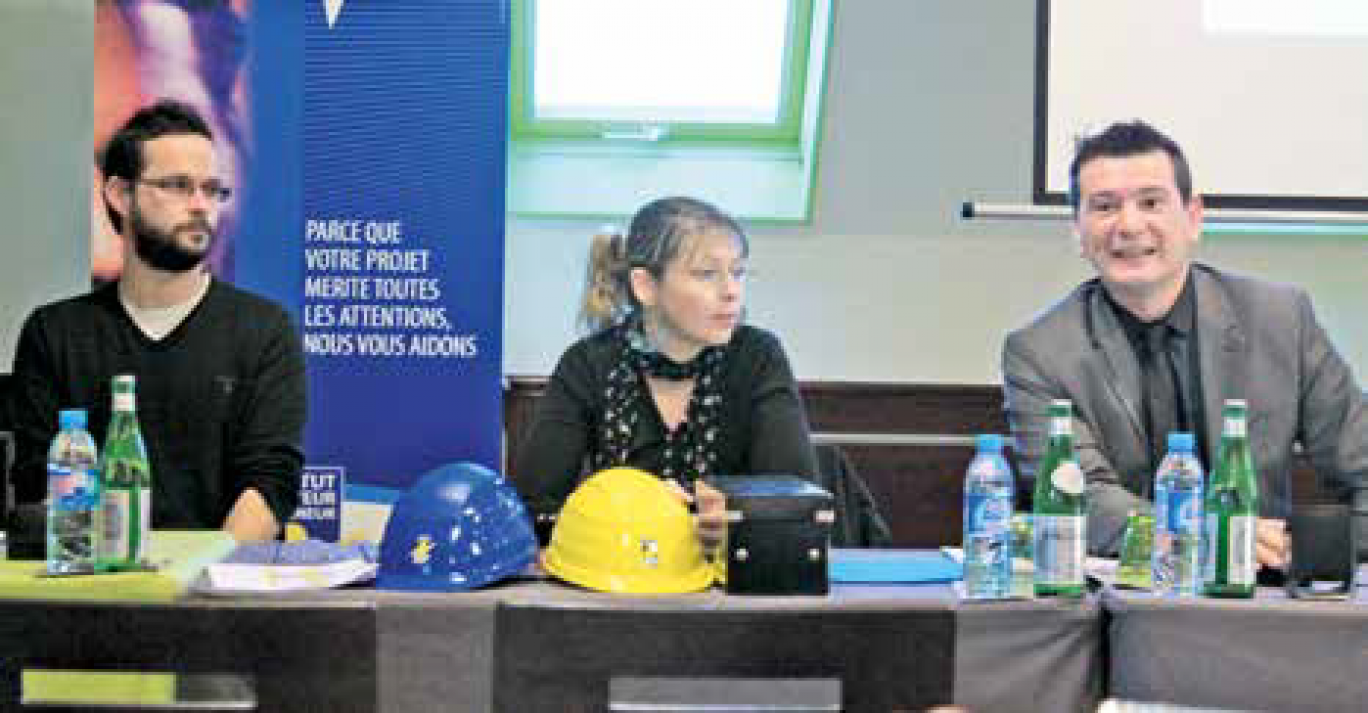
(270, 578)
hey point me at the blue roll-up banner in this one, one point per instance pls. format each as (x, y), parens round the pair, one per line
(374, 209)
(365, 140)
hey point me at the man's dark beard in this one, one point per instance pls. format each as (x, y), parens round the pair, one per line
(159, 249)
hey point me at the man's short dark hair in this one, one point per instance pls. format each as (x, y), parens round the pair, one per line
(1128, 138)
(123, 156)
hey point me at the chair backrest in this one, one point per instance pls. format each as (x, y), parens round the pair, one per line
(859, 522)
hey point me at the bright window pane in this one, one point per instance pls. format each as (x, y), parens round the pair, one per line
(1343, 18)
(660, 60)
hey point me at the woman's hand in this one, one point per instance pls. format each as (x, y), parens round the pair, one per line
(711, 508)
(712, 515)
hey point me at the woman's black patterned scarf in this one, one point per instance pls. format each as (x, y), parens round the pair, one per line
(690, 449)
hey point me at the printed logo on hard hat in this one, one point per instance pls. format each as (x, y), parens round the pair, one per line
(650, 553)
(422, 549)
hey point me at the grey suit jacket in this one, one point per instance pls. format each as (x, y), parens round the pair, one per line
(1256, 341)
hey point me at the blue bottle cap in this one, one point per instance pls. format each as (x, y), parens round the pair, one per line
(71, 418)
(1180, 441)
(989, 443)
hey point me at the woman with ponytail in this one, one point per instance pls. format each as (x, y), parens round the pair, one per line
(668, 379)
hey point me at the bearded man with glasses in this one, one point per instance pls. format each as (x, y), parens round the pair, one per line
(220, 372)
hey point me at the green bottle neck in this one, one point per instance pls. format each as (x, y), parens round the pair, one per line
(124, 402)
(1235, 465)
(1060, 447)
(1059, 450)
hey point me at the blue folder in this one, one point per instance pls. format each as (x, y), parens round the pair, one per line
(893, 567)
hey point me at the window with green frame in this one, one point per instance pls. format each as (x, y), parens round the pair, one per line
(655, 96)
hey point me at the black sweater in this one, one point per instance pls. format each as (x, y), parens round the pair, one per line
(763, 426)
(220, 400)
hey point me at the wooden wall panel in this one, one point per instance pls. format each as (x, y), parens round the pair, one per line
(910, 443)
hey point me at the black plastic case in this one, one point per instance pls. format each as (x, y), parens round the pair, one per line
(778, 534)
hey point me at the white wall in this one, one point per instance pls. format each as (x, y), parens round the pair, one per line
(929, 104)
(886, 284)
(46, 123)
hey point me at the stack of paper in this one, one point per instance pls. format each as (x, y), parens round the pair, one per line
(269, 578)
(267, 567)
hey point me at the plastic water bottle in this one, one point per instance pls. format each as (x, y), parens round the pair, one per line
(73, 496)
(1176, 558)
(988, 492)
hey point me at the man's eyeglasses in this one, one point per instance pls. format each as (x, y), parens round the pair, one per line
(185, 187)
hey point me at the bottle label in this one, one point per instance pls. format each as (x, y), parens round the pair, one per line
(72, 488)
(1235, 427)
(1239, 560)
(120, 542)
(123, 401)
(1068, 478)
(987, 514)
(1061, 426)
(1240, 565)
(62, 481)
(1059, 549)
(144, 524)
(114, 538)
(1179, 511)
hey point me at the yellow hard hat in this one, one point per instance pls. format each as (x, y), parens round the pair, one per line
(623, 531)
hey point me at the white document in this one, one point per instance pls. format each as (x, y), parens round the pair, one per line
(269, 578)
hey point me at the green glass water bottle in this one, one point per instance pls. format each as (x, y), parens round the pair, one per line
(126, 482)
(1059, 517)
(1232, 508)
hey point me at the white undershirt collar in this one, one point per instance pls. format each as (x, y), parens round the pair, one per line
(157, 322)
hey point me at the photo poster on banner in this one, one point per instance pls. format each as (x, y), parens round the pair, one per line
(196, 52)
(365, 144)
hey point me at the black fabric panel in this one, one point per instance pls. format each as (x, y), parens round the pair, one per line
(300, 657)
(562, 659)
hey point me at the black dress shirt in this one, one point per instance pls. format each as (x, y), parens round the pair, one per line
(1179, 338)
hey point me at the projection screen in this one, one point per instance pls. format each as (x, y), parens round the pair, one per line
(1268, 98)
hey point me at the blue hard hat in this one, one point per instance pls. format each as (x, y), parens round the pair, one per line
(461, 526)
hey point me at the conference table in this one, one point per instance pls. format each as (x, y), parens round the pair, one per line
(1269, 653)
(541, 645)
(533, 643)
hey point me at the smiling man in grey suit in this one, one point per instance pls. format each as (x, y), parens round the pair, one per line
(1157, 342)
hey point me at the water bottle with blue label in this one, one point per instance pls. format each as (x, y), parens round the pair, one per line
(1176, 558)
(73, 496)
(988, 494)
